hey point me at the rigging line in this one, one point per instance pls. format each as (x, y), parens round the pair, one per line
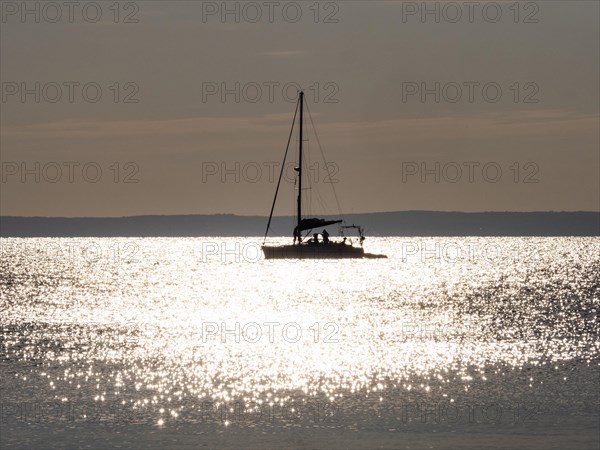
(325, 163)
(281, 172)
(309, 181)
(320, 200)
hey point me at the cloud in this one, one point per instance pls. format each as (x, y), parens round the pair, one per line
(522, 123)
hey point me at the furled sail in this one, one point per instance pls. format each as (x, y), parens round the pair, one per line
(309, 224)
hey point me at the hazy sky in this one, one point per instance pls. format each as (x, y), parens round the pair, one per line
(363, 66)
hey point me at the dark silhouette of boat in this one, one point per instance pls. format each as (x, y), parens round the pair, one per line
(313, 248)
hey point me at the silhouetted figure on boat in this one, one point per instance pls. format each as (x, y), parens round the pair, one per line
(315, 238)
(325, 237)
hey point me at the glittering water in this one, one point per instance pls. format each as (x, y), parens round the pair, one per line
(188, 337)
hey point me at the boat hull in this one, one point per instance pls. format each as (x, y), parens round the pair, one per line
(314, 251)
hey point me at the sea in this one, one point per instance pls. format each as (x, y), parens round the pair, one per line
(466, 342)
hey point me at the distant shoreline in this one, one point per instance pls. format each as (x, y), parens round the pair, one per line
(401, 223)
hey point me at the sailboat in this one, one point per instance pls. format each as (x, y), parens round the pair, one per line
(312, 248)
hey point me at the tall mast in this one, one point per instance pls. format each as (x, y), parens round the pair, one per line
(300, 163)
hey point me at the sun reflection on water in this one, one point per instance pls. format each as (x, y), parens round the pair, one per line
(163, 326)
